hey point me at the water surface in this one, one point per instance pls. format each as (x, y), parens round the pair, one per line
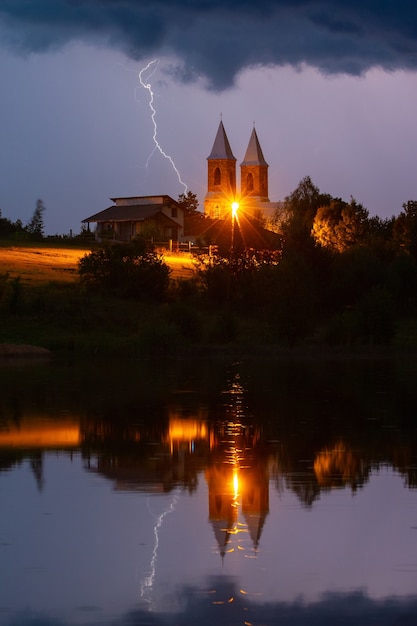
(235, 492)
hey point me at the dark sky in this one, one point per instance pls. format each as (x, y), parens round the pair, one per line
(218, 38)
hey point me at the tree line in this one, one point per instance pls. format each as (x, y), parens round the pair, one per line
(329, 273)
(34, 229)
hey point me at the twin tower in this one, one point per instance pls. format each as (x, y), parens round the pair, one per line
(221, 188)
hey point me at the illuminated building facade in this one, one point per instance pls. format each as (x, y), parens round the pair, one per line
(221, 187)
(221, 184)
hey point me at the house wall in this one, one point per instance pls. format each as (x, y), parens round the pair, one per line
(138, 200)
(174, 213)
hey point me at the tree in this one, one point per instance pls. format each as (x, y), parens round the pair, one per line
(35, 227)
(405, 228)
(301, 206)
(340, 225)
(9, 229)
(195, 222)
(381, 229)
(303, 203)
(279, 218)
(189, 203)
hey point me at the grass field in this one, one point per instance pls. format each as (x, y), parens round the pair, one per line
(41, 264)
(46, 308)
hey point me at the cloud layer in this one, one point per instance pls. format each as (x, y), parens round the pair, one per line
(218, 38)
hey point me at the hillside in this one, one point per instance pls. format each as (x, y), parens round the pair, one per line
(40, 264)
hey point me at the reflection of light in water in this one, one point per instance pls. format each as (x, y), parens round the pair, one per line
(147, 584)
(238, 487)
(236, 483)
(41, 433)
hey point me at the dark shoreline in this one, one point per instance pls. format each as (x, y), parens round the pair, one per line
(11, 351)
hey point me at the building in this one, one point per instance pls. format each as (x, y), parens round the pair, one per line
(158, 218)
(221, 185)
(161, 219)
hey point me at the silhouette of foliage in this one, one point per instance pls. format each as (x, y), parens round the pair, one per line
(127, 270)
(189, 203)
(301, 206)
(35, 227)
(405, 228)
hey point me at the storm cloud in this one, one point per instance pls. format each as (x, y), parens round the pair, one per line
(216, 39)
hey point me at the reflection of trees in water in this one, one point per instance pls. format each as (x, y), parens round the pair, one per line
(314, 425)
(221, 601)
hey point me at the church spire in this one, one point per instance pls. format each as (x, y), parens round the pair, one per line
(254, 154)
(221, 187)
(254, 171)
(221, 147)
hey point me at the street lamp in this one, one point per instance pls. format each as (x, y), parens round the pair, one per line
(235, 206)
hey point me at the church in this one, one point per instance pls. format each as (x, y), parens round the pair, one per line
(222, 190)
(161, 218)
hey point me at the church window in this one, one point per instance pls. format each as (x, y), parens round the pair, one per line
(217, 176)
(249, 182)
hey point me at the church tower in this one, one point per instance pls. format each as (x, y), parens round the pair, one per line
(254, 173)
(221, 188)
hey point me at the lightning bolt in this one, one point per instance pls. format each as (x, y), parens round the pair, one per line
(147, 584)
(152, 67)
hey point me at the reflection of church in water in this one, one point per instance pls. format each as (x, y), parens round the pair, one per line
(238, 482)
(228, 453)
(185, 443)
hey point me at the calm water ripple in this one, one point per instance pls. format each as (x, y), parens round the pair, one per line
(268, 493)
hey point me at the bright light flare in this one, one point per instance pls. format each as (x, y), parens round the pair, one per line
(235, 484)
(235, 206)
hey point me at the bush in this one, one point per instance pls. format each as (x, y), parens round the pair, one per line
(372, 321)
(11, 293)
(376, 317)
(186, 320)
(126, 270)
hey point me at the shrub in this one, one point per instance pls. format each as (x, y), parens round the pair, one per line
(11, 293)
(376, 317)
(126, 270)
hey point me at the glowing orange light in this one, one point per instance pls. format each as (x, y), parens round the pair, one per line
(235, 206)
(235, 483)
(42, 434)
(186, 430)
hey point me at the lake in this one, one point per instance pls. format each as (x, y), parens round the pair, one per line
(250, 491)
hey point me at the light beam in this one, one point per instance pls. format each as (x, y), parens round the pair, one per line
(152, 66)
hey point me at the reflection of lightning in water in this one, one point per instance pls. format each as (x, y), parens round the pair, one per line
(154, 64)
(147, 584)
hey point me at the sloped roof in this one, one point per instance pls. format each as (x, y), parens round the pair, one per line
(254, 155)
(221, 148)
(159, 199)
(255, 524)
(128, 213)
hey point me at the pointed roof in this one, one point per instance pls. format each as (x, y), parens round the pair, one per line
(221, 147)
(254, 155)
(255, 524)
